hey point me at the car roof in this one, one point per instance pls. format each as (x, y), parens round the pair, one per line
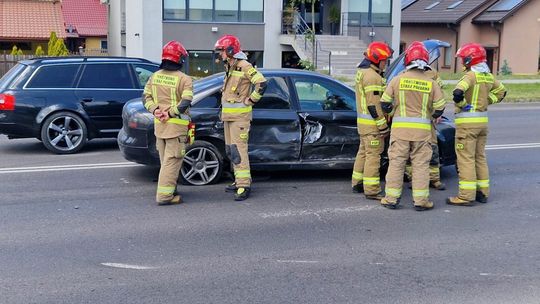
(82, 59)
(267, 72)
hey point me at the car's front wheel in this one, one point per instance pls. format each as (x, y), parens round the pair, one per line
(202, 164)
(64, 133)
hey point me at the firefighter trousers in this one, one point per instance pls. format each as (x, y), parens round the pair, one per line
(434, 166)
(398, 154)
(236, 148)
(171, 153)
(367, 164)
(472, 164)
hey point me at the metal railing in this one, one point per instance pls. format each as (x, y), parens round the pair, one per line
(304, 37)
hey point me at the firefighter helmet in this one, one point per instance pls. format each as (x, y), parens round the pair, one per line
(416, 51)
(174, 51)
(471, 54)
(378, 51)
(229, 43)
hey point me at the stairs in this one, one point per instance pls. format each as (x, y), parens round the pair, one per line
(347, 52)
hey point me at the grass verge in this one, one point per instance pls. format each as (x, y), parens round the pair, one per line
(517, 92)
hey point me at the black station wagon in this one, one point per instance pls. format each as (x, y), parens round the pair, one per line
(66, 101)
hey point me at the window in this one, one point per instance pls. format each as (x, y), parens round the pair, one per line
(227, 10)
(504, 5)
(144, 71)
(54, 76)
(381, 12)
(214, 10)
(432, 5)
(202, 63)
(455, 4)
(104, 44)
(323, 96)
(174, 9)
(108, 76)
(276, 95)
(200, 10)
(448, 56)
(251, 10)
(211, 101)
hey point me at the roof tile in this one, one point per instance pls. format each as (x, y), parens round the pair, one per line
(416, 12)
(88, 17)
(28, 19)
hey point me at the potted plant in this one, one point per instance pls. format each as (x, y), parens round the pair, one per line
(334, 15)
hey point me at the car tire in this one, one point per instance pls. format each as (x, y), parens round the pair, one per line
(64, 133)
(202, 164)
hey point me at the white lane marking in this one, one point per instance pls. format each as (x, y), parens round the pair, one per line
(288, 213)
(67, 167)
(513, 146)
(127, 266)
(297, 261)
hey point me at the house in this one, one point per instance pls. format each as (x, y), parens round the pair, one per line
(86, 25)
(343, 28)
(29, 23)
(508, 29)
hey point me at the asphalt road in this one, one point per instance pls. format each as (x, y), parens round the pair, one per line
(92, 234)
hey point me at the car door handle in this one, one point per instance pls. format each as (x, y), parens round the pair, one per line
(87, 99)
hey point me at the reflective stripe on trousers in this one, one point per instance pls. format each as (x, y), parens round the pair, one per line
(471, 117)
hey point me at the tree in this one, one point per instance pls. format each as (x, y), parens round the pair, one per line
(60, 48)
(51, 44)
(20, 53)
(39, 51)
(14, 51)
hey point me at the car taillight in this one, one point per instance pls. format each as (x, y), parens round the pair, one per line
(7, 102)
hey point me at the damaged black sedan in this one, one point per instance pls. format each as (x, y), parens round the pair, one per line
(305, 120)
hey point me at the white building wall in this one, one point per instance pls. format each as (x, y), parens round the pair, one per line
(114, 37)
(144, 29)
(272, 31)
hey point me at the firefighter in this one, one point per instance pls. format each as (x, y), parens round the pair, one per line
(371, 122)
(418, 100)
(237, 100)
(477, 89)
(434, 163)
(167, 95)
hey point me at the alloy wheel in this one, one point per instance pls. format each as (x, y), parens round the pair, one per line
(65, 133)
(200, 166)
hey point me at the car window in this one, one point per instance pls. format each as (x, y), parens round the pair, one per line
(144, 71)
(276, 95)
(210, 101)
(107, 76)
(323, 95)
(54, 76)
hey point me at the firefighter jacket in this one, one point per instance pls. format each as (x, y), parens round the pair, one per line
(369, 88)
(236, 98)
(165, 90)
(415, 96)
(480, 90)
(435, 76)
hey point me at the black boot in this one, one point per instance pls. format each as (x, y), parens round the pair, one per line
(481, 198)
(231, 187)
(358, 188)
(242, 193)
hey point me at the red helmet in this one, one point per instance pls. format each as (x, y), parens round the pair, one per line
(471, 54)
(378, 51)
(174, 51)
(229, 43)
(416, 51)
